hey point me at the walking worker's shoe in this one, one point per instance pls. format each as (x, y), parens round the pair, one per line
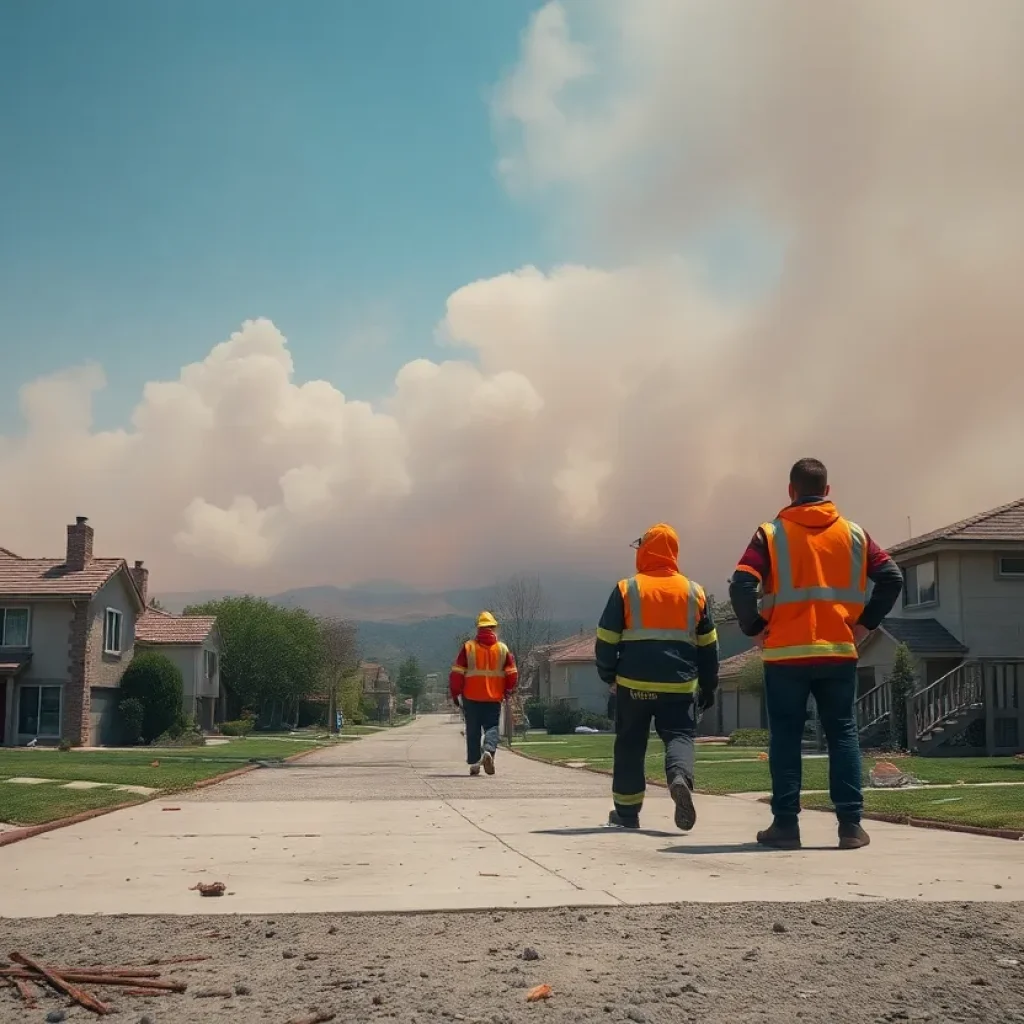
(616, 820)
(474, 769)
(779, 837)
(682, 796)
(488, 762)
(853, 837)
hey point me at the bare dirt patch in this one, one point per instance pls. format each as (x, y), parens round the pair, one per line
(717, 964)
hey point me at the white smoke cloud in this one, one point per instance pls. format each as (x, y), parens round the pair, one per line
(876, 145)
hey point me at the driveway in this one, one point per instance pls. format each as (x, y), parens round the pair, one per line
(394, 823)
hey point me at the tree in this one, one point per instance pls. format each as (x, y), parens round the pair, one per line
(155, 681)
(340, 659)
(411, 680)
(272, 655)
(523, 613)
(751, 680)
(157, 605)
(901, 685)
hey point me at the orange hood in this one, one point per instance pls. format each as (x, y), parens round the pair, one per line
(658, 554)
(814, 515)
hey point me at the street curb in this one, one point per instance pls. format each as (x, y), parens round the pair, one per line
(1015, 835)
(31, 831)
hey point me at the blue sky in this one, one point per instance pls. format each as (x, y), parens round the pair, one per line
(169, 169)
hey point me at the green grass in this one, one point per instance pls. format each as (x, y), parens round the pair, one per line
(179, 768)
(996, 807)
(35, 805)
(722, 770)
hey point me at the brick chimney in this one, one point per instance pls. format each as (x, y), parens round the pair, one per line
(141, 576)
(79, 545)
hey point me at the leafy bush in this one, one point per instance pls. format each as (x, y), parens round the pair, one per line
(535, 709)
(188, 738)
(749, 738)
(132, 712)
(65, 745)
(154, 680)
(901, 685)
(592, 721)
(561, 718)
(242, 727)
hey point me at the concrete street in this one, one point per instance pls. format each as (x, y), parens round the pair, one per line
(394, 823)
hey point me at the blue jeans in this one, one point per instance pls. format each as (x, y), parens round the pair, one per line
(834, 688)
(482, 719)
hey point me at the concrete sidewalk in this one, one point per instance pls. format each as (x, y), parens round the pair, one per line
(393, 823)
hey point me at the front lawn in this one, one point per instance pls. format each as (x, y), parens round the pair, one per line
(167, 769)
(987, 807)
(740, 770)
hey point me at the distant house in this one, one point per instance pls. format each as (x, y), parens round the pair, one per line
(68, 630)
(962, 616)
(193, 643)
(735, 707)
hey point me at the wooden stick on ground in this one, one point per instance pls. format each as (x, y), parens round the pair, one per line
(179, 960)
(116, 972)
(320, 1017)
(88, 978)
(80, 996)
(27, 991)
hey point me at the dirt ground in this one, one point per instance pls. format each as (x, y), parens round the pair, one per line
(823, 962)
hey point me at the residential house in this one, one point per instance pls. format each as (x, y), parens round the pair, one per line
(962, 616)
(68, 630)
(736, 707)
(67, 634)
(193, 643)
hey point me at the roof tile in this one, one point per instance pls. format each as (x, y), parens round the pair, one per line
(50, 577)
(926, 636)
(998, 525)
(159, 627)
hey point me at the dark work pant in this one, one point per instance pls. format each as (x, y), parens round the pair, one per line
(834, 688)
(673, 716)
(482, 718)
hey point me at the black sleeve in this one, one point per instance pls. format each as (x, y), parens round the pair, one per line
(609, 636)
(707, 650)
(888, 584)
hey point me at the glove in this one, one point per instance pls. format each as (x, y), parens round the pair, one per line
(705, 700)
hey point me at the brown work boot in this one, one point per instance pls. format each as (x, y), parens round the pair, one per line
(780, 837)
(474, 769)
(852, 837)
(488, 762)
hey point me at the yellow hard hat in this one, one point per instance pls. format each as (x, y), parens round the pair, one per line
(485, 620)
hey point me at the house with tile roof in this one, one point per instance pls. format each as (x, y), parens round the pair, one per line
(68, 631)
(962, 617)
(193, 643)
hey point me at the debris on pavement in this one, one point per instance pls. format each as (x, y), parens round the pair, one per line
(535, 995)
(209, 888)
(319, 1017)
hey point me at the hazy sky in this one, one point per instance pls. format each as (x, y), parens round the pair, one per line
(321, 292)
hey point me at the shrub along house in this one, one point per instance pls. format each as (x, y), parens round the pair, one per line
(193, 643)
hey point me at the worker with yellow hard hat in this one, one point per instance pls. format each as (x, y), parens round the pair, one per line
(483, 675)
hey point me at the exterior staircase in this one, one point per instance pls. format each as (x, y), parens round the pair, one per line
(940, 715)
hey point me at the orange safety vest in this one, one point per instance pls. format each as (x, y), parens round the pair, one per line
(485, 671)
(816, 589)
(660, 608)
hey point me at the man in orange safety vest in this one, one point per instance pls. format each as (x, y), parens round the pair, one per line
(484, 674)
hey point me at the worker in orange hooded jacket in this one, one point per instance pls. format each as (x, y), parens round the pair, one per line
(483, 675)
(657, 649)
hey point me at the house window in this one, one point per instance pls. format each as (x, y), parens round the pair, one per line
(39, 711)
(1011, 566)
(210, 658)
(13, 627)
(920, 585)
(112, 631)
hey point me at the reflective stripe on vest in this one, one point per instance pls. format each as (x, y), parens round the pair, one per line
(485, 673)
(820, 650)
(637, 631)
(782, 573)
(642, 685)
